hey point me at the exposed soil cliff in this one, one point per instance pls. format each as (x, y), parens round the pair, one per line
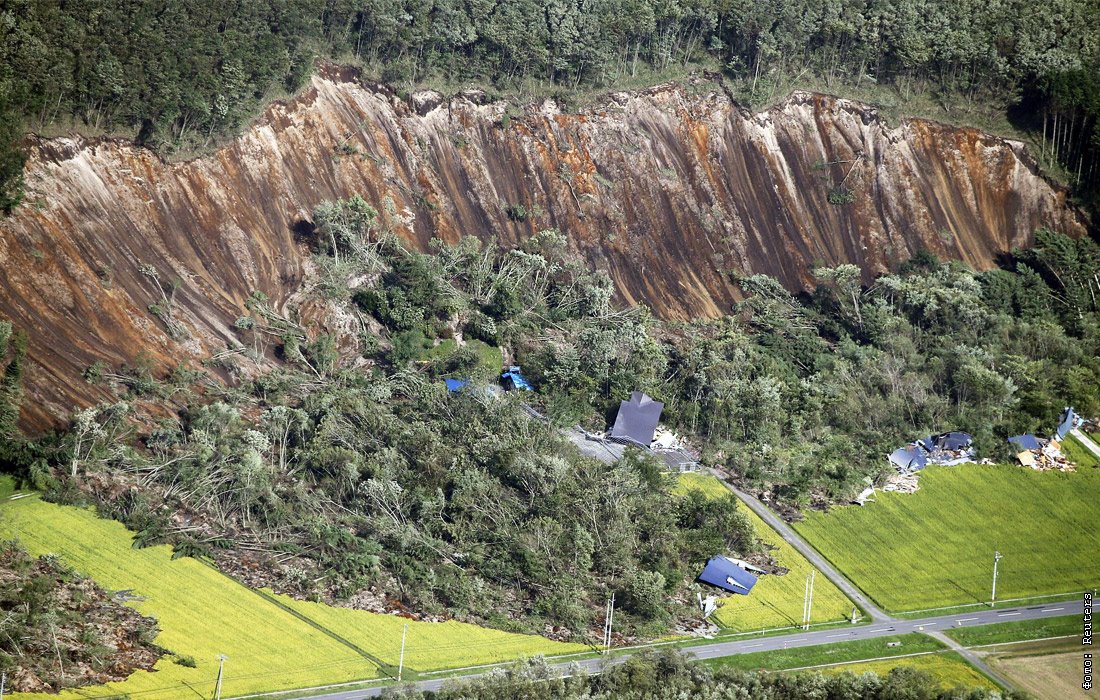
(665, 189)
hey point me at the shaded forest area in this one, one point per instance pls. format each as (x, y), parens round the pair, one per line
(178, 75)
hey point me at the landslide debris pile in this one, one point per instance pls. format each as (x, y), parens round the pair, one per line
(673, 191)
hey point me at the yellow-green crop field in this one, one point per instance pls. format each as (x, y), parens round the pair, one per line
(775, 601)
(935, 547)
(203, 613)
(949, 669)
(429, 646)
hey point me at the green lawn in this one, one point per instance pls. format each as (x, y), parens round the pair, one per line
(949, 669)
(820, 655)
(775, 601)
(1016, 631)
(935, 547)
(1078, 453)
(203, 613)
(489, 358)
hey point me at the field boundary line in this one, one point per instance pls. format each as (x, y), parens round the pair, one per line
(382, 666)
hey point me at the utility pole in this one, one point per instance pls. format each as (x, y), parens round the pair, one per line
(608, 617)
(997, 556)
(3, 683)
(810, 604)
(221, 667)
(401, 661)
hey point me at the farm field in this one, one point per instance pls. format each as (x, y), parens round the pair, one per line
(841, 652)
(935, 547)
(949, 669)
(775, 601)
(429, 646)
(203, 613)
(1016, 631)
(1047, 677)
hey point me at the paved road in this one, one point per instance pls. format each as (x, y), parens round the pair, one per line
(822, 564)
(748, 645)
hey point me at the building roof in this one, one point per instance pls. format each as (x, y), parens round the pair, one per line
(724, 574)
(908, 459)
(514, 379)
(1068, 422)
(953, 441)
(637, 419)
(1026, 441)
(456, 384)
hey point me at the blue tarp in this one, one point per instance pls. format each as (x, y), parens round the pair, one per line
(456, 384)
(724, 574)
(908, 459)
(513, 379)
(1069, 422)
(1025, 442)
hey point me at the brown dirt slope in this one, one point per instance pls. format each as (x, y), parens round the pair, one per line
(666, 189)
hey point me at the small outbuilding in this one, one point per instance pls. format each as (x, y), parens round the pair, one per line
(637, 420)
(723, 573)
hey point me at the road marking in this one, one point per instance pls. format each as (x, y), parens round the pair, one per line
(881, 630)
(928, 624)
(830, 636)
(1054, 609)
(967, 619)
(750, 646)
(1007, 614)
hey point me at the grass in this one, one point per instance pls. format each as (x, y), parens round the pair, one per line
(1046, 675)
(203, 613)
(935, 547)
(841, 652)
(429, 646)
(1016, 631)
(775, 601)
(1078, 453)
(489, 358)
(948, 669)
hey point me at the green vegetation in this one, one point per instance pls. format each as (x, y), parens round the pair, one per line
(1077, 453)
(429, 646)
(347, 467)
(776, 601)
(840, 652)
(1016, 631)
(178, 75)
(946, 671)
(61, 631)
(935, 547)
(669, 676)
(202, 613)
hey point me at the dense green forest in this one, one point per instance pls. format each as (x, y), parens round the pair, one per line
(348, 460)
(670, 676)
(180, 74)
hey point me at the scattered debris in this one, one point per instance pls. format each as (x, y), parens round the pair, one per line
(902, 483)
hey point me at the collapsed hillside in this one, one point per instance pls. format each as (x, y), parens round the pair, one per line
(667, 190)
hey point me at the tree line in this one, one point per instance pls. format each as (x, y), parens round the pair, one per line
(181, 74)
